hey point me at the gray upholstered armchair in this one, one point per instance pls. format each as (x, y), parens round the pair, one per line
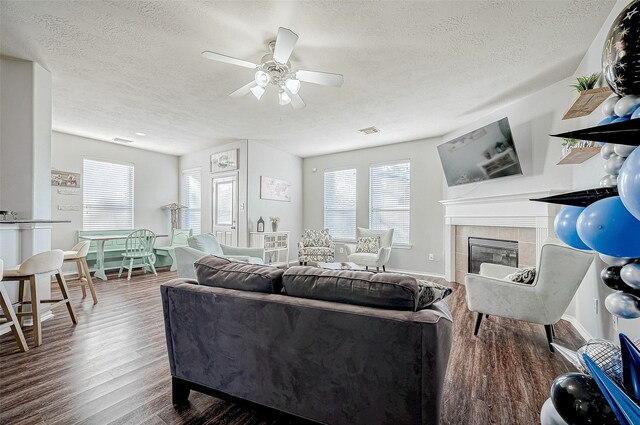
(372, 259)
(316, 245)
(559, 273)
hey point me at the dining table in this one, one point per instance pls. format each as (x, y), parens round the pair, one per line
(100, 240)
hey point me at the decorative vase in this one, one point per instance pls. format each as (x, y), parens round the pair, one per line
(260, 225)
(274, 226)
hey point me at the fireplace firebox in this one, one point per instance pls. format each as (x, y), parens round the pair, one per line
(495, 251)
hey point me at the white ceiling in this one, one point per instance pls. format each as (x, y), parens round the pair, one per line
(412, 69)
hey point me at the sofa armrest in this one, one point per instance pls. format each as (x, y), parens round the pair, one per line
(300, 246)
(233, 251)
(496, 270)
(384, 254)
(185, 257)
(350, 248)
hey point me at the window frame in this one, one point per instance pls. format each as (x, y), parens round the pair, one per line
(402, 245)
(355, 201)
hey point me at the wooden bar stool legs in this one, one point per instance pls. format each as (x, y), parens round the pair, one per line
(84, 275)
(12, 319)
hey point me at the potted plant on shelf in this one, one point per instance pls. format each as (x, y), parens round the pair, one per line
(274, 223)
(590, 96)
(586, 82)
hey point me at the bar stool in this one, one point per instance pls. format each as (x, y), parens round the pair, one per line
(45, 264)
(78, 255)
(10, 315)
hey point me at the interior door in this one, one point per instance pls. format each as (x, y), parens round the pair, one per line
(225, 209)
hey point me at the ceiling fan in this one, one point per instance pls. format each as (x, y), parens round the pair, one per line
(275, 68)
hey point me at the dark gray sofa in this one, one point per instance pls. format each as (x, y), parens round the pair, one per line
(325, 361)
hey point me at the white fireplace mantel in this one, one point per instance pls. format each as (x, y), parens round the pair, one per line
(513, 210)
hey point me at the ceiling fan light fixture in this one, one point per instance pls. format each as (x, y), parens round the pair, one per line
(292, 85)
(257, 91)
(262, 78)
(283, 98)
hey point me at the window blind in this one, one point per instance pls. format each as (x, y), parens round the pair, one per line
(390, 199)
(340, 204)
(190, 197)
(107, 195)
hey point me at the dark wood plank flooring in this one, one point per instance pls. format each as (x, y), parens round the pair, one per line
(112, 367)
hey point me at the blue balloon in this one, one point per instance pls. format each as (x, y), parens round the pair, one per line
(565, 225)
(629, 183)
(636, 113)
(607, 227)
(608, 120)
(621, 119)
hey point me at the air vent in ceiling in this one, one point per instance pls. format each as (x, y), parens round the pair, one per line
(369, 130)
(120, 140)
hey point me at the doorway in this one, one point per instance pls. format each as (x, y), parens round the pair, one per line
(224, 199)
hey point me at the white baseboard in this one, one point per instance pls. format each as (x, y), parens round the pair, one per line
(28, 321)
(584, 333)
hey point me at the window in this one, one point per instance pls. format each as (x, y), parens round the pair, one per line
(190, 194)
(390, 199)
(340, 204)
(107, 195)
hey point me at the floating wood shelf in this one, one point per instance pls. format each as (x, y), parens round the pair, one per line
(578, 155)
(587, 102)
(623, 133)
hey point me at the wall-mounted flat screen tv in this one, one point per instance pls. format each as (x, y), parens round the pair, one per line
(484, 154)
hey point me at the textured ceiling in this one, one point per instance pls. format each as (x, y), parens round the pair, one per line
(412, 69)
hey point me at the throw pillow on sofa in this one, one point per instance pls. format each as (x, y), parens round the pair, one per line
(368, 244)
(526, 276)
(381, 290)
(430, 293)
(224, 273)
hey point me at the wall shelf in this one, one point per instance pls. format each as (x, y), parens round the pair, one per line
(578, 155)
(587, 102)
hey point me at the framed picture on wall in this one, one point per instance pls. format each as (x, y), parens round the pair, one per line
(275, 189)
(224, 161)
(65, 178)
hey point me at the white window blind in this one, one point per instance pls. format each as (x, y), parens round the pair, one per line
(107, 195)
(340, 204)
(190, 194)
(390, 199)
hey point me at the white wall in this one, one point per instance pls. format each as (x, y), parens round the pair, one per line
(427, 221)
(201, 160)
(155, 184)
(270, 162)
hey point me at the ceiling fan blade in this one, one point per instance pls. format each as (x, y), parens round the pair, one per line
(228, 59)
(243, 90)
(285, 42)
(323, 78)
(296, 101)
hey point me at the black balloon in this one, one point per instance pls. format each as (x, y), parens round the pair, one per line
(579, 401)
(611, 277)
(621, 52)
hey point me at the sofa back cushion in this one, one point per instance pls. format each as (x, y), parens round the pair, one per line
(382, 290)
(316, 238)
(205, 242)
(224, 273)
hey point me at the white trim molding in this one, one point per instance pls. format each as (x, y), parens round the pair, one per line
(584, 333)
(513, 210)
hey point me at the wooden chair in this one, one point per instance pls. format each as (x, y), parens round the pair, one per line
(139, 246)
(43, 265)
(78, 255)
(10, 316)
(178, 238)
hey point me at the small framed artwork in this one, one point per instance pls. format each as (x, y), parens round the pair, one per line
(65, 178)
(275, 189)
(224, 161)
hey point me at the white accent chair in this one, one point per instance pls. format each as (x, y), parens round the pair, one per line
(366, 259)
(43, 265)
(10, 316)
(559, 274)
(78, 255)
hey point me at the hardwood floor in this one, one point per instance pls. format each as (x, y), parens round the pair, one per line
(112, 367)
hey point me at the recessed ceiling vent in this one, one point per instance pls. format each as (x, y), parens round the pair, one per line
(369, 130)
(120, 140)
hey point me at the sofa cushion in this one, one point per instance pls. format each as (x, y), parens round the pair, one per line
(225, 273)
(430, 293)
(368, 244)
(205, 242)
(382, 290)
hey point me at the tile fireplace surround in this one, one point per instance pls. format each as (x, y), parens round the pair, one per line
(509, 217)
